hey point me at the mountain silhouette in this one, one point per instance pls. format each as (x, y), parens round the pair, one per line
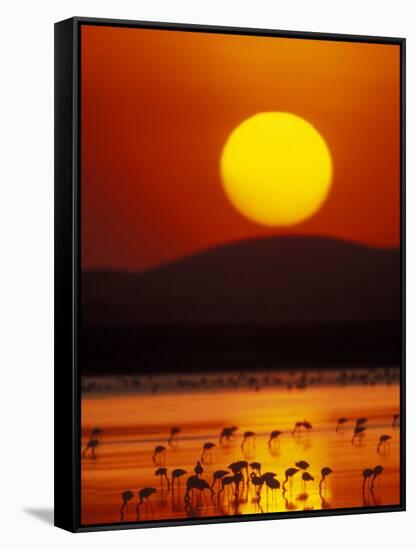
(275, 280)
(277, 302)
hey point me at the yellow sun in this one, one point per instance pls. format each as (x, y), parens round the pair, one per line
(276, 169)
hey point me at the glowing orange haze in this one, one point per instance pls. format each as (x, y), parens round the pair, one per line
(157, 107)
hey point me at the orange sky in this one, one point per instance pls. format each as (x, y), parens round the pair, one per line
(157, 107)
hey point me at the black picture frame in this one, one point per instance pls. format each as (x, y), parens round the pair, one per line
(67, 270)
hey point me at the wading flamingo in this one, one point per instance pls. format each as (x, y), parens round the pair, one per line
(177, 474)
(274, 438)
(217, 476)
(144, 495)
(289, 473)
(158, 453)
(358, 432)
(163, 474)
(384, 439)
(367, 473)
(125, 497)
(341, 423)
(199, 470)
(248, 437)
(92, 444)
(227, 433)
(378, 470)
(206, 450)
(306, 476)
(325, 472)
(173, 435)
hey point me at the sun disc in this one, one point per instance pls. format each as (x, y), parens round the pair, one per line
(276, 169)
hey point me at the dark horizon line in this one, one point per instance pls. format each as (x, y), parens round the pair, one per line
(286, 236)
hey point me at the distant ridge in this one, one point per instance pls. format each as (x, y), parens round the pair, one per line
(274, 280)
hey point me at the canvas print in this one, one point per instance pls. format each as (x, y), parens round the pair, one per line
(240, 337)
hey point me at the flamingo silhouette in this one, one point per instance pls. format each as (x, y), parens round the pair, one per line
(195, 483)
(302, 465)
(247, 437)
(177, 474)
(378, 470)
(358, 432)
(217, 476)
(163, 473)
(173, 435)
(274, 438)
(227, 433)
(144, 495)
(299, 425)
(96, 432)
(125, 497)
(340, 423)
(272, 483)
(384, 439)
(325, 472)
(257, 481)
(361, 421)
(92, 444)
(199, 470)
(289, 473)
(206, 449)
(236, 467)
(396, 420)
(367, 473)
(256, 466)
(238, 478)
(306, 476)
(157, 453)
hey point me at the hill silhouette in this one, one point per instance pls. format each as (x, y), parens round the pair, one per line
(271, 280)
(256, 300)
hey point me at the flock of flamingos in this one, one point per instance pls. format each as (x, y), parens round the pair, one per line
(235, 478)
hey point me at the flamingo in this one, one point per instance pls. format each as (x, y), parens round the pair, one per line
(302, 465)
(257, 482)
(163, 473)
(206, 448)
(289, 473)
(396, 420)
(361, 421)
(173, 435)
(247, 437)
(217, 476)
(91, 444)
(195, 483)
(274, 437)
(325, 472)
(306, 476)
(256, 466)
(299, 425)
(382, 442)
(378, 470)
(199, 470)
(238, 478)
(177, 474)
(236, 467)
(226, 481)
(340, 423)
(367, 473)
(144, 495)
(125, 497)
(227, 433)
(358, 432)
(272, 483)
(96, 432)
(159, 449)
